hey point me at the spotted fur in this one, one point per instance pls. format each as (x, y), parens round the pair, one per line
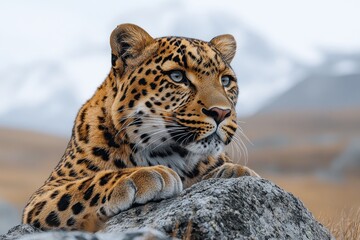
(144, 135)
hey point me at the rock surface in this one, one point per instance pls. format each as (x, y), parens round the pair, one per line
(243, 208)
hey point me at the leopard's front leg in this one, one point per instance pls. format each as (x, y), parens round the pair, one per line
(85, 204)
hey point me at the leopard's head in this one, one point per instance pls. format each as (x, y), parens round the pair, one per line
(174, 91)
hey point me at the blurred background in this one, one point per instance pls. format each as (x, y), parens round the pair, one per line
(298, 68)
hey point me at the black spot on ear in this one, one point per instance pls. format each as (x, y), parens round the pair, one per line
(113, 60)
(124, 48)
(52, 219)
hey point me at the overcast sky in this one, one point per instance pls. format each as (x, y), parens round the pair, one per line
(301, 27)
(305, 27)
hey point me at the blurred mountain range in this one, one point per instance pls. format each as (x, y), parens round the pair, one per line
(313, 127)
(333, 85)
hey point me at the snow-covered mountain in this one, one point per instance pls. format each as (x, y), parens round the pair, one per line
(44, 89)
(334, 85)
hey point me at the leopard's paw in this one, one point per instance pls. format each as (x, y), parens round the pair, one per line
(231, 170)
(155, 183)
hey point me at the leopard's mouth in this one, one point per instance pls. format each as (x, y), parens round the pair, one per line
(183, 140)
(188, 136)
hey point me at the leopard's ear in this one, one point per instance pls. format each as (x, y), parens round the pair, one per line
(226, 45)
(130, 45)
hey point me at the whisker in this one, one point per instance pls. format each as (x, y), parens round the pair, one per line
(243, 147)
(239, 144)
(241, 131)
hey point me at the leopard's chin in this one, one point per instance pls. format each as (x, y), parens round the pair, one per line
(211, 145)
(213, 137)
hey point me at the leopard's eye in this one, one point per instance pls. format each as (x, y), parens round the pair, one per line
(177, 76)
(225, 81)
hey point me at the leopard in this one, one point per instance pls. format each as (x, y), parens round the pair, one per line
(157, 124)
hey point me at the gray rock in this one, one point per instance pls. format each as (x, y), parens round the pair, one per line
(19, 231)
(242, 208)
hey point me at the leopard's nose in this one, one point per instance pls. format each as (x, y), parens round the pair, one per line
(218, 114)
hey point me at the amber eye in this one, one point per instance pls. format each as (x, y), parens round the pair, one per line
(177, 76)
(226, 80)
